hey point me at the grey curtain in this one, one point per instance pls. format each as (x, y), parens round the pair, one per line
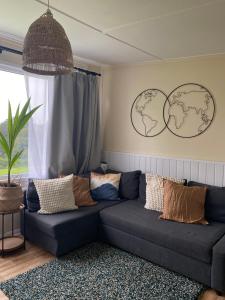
(75, 144)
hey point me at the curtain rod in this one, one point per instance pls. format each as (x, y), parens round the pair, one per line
(3, 48)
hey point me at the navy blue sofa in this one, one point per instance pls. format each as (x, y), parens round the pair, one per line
(63, 232)
(193, 250)
(196, 251)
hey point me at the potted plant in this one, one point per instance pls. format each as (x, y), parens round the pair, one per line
(11, 194)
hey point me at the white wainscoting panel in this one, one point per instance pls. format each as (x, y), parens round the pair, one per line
(209, 172)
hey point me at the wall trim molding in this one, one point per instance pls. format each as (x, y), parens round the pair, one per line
(209, 172)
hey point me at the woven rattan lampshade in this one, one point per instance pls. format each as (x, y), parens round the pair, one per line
(47, 50)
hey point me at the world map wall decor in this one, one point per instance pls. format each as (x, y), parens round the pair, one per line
(187, 111)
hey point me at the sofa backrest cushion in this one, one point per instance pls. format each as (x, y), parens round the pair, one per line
(142, 189)
(33, 203)
(215, 202)
(129, 184)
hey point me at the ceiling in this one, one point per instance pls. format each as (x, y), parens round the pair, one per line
(127, 31)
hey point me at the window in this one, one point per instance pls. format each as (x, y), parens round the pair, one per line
(12, 88)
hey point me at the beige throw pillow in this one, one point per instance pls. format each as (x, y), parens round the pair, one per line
(155, 191)
(55, 195)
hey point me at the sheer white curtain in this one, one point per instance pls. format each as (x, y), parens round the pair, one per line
(64, 134)
(40, 89)
(50, 133)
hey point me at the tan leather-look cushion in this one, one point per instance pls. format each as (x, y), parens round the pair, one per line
(81, 190)
(184, 204)
(155, 191)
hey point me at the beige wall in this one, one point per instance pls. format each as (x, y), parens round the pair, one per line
(121, 85)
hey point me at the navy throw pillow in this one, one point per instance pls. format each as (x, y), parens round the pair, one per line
(214, 203)
(33, 203)
(129, 184)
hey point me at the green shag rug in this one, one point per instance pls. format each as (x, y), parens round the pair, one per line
(100, 272)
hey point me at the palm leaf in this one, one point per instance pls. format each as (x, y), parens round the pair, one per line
(25, 108)
(3, 159)
(15, 158)
(16, 119)
(22, 122)
(4, 144)
(15, 125)
(19, 118)
(10, 123)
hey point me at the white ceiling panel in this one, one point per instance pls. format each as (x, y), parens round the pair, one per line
(196, 32)
(85, 42)
(96, 46)
(106, 14)
(16, 16)
(147, 29)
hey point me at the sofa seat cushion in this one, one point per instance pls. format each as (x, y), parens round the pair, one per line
(67, 223)
(192, 240)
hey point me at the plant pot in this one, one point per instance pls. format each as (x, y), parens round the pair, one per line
(11, 198)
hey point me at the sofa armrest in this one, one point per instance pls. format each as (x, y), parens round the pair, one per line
(218, 266)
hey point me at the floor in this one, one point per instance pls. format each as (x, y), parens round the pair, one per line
(21, 262)
(33, 256)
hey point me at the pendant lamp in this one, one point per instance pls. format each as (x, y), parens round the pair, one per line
(47, 49)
